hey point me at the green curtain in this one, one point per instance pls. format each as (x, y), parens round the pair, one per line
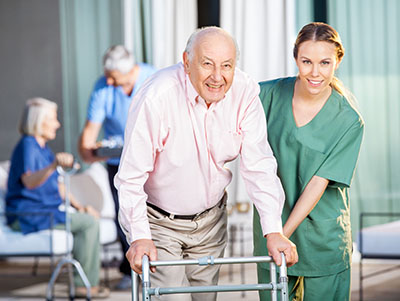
(304, 13)
(370, 31)
(87, 28)
(142, 30)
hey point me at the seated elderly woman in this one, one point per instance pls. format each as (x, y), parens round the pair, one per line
(33, 186)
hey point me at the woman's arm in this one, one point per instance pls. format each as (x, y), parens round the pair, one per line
(32, 180)
(306, 202)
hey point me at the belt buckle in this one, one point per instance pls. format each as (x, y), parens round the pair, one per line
(204, 212)
(198, 215)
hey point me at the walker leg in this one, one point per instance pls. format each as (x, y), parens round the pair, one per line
(76, 264)
(135, 286)
(272, 275)
(146, 278)
(54, 275)
(283, 279)
(85, 280)
(71, 284)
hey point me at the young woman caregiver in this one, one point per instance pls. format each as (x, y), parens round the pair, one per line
(315, 133)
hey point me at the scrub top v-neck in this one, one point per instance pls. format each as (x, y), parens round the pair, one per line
(327, 146)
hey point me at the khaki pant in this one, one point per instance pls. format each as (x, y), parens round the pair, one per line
(86, 249)
(178, 239)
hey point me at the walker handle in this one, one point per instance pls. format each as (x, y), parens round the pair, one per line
(63, 171)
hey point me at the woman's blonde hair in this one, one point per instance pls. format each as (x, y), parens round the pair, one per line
(33, 114)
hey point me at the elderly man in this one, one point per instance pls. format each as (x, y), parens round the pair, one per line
(108, 107)
(186, 122)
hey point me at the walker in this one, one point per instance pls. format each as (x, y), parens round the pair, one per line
(68, 257)
(274, 286)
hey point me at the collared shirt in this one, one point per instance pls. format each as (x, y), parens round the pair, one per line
(109, 105)
(176, 149)
(328, 146)
(41, 201)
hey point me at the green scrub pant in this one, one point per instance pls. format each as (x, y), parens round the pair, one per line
(328, 288)
(86, 249)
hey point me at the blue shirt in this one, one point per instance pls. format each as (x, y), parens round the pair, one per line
(28, 155)
(109, 105)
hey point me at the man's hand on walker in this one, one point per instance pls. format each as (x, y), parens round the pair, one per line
(135, 253)
(277, 243)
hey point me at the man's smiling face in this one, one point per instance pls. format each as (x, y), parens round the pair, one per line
(211, 67)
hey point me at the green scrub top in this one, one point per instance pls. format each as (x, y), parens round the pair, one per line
(327, 146)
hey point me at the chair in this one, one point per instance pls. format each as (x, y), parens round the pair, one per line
(378, 242)
(51, 243)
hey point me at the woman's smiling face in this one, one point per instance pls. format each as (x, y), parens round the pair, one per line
(317, 62)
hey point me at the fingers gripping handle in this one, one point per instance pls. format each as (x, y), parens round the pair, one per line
(68, 171)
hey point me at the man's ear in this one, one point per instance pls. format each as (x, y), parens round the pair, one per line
(185, 57)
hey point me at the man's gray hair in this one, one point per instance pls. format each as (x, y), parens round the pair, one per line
(204, 30)
(33, 115)
(118, 58)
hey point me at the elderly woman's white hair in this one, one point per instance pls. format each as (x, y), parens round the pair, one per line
(33, 115)
(205, 30)
(118, 58)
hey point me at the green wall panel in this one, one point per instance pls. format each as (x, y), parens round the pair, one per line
(87, 28)
(370, 32)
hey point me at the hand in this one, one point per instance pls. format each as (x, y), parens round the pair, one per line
(136, 251)
(91, 211)
(277, 243)
(64, 160)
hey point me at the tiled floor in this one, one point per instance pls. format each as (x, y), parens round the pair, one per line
(17, 283)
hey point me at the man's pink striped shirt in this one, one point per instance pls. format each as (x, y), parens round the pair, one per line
(176, 148)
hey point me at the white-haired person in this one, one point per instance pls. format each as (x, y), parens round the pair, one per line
(191, 119)
(108, 108)
(33, 186)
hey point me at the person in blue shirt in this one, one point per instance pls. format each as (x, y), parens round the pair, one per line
(108, 108)
(33, 186)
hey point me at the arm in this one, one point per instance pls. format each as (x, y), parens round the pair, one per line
(87, 142)
(32, 180)
(142, 142)
(259, 170)
(306, 202)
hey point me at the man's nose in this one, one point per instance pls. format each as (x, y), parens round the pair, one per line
(110, 81)
(216, 74)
